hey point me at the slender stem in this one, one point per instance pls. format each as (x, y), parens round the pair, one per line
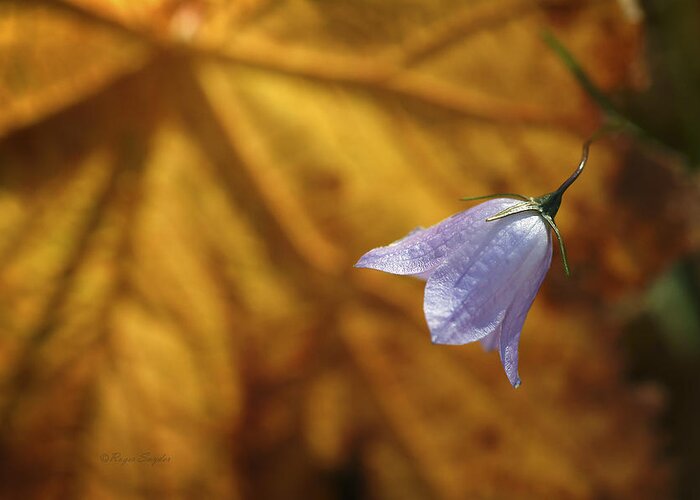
(584, 158)
(579, 73)
(616, 119)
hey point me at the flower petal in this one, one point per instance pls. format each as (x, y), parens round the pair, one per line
(509, 338)
(469, 295)
(423, 250)
(492, 340)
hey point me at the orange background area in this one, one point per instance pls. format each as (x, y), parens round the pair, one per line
(184, 188)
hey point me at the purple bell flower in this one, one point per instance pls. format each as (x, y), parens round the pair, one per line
(483, 268)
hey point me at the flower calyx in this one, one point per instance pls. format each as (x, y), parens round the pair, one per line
(546, 205)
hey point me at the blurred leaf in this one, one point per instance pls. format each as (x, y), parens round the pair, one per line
(177, 242)
(50, 59)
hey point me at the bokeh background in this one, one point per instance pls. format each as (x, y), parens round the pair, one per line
(185, 186)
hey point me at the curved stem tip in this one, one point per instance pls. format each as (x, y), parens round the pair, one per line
(584, 158)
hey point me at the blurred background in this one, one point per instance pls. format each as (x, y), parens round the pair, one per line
(186, 184)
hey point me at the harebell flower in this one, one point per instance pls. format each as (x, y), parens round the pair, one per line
(483, 268)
